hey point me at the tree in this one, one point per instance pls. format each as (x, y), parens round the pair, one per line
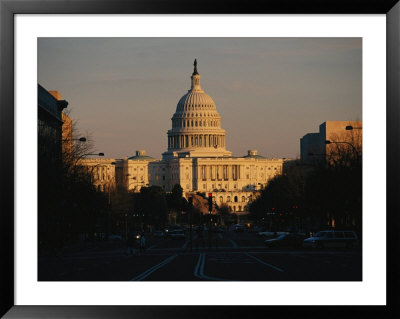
(151, 206)
(327, 195)
(69, 205)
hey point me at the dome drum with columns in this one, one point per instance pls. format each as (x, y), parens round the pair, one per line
(196, 125)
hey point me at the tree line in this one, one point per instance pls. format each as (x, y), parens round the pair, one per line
(309, 197)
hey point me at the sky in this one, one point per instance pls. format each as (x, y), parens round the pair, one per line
(270, 92)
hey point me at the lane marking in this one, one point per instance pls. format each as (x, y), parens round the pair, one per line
(196, 269)
(185, 244)
(154, 268)
(266, 264)
(199, 270)
(233, 243)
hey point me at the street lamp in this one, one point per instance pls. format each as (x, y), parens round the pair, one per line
(98, 154)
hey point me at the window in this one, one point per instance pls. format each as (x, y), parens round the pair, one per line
(236, 199)
(339, 234)
(228, 199)
(349, 235)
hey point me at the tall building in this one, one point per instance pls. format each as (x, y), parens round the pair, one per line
(197, 158)
(49, 128)
(333, 135)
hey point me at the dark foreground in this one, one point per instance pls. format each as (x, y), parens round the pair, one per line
(231, 257)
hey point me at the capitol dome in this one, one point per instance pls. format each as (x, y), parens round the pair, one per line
(196, 125)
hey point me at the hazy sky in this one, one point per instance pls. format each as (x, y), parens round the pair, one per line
(269, 91)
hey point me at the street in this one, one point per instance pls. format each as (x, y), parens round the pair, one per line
(228, 256)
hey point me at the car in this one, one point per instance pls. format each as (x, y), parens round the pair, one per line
(217, 229)
(177, 234)
(332, 238)
(239, 228)
(294, 240)
(158, 233)
(115, 238)
(136, 235)
(270, 234)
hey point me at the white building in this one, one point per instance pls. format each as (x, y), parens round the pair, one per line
(102, 171)
(197, 158)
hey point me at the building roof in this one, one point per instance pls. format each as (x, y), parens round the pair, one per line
(141, 156)
(253, 154)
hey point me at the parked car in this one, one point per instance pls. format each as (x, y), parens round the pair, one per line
(332, 238)
(177, 234)
(239, 228)
(294, 240)
(158, 233)
(136, 235)
(113, 238)
(270, 234)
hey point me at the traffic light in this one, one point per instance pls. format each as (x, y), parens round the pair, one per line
(210, 202)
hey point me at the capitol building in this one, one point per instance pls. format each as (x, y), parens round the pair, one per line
(196, 158)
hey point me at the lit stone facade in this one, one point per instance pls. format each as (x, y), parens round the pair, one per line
(102, 171)
(313, 148)
(197, 158)
(196, 126)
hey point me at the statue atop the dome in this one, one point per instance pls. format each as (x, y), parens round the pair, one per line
(195, 67)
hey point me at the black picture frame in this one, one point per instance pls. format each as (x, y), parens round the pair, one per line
(8, 10)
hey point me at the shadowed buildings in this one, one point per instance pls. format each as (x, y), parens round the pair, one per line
(315, 149)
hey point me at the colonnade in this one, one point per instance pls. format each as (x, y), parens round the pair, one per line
(196, 140)
(219, 172)
(195, 123)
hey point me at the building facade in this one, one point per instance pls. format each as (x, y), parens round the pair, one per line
(319, 147)
(197, 158)
(49, 127)
(102, 171)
